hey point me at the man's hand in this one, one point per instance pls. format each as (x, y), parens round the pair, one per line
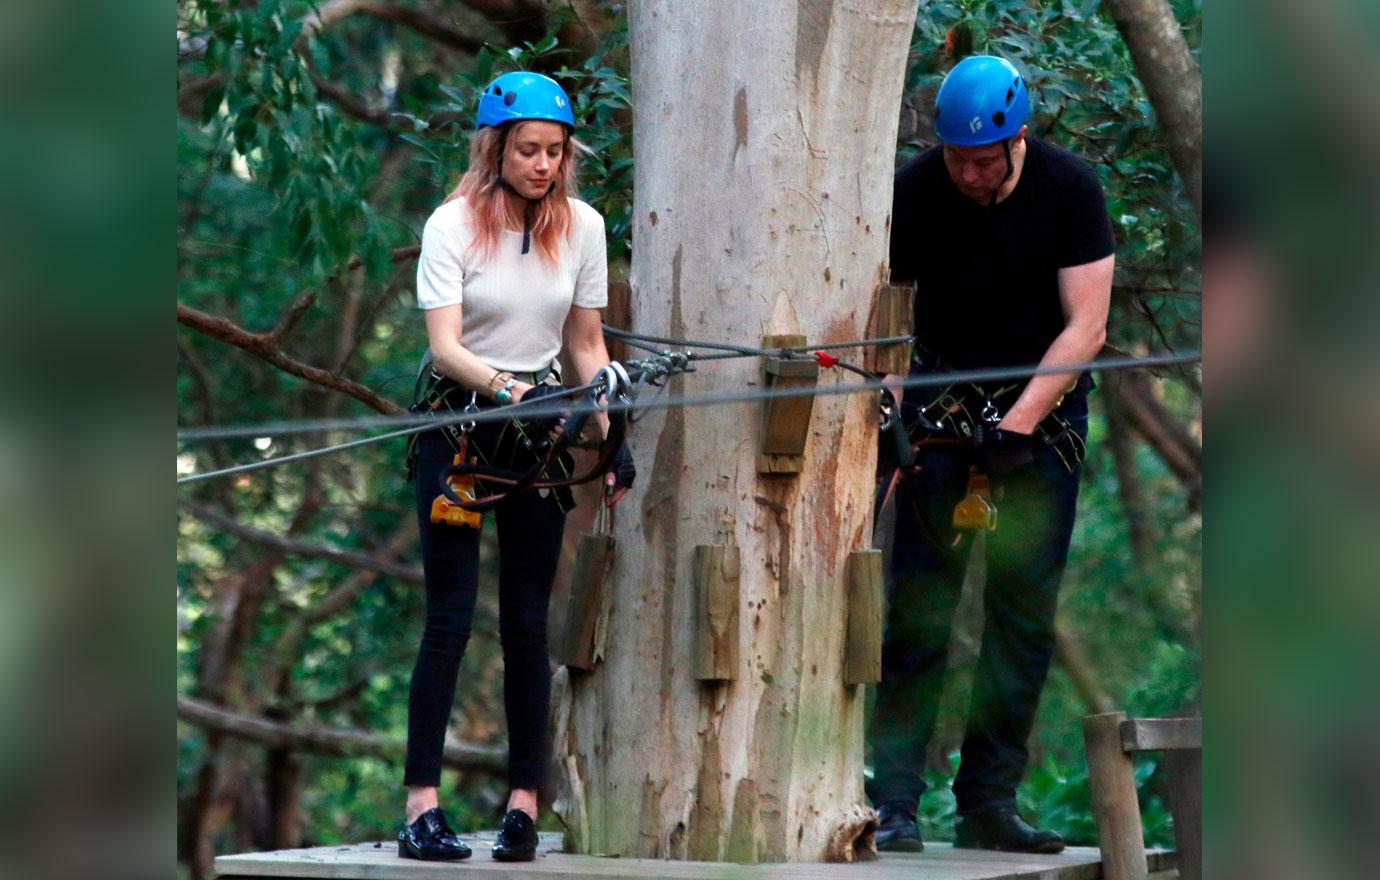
(1003, 453)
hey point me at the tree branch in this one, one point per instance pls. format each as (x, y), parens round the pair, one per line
(349, 558)
(299, 307)
(1134, 505)
(1170, 441)
(1172, 82)
(1074, 661)
(423, 23)
(323, 740)
(260, 344)
(400, 255)
(519, 20)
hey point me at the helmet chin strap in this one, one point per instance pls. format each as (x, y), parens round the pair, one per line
(529, 208)
(1010, 170)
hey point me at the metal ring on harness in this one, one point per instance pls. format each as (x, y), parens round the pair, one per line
(612, 382)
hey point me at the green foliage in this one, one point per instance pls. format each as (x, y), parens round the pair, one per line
(602, 104)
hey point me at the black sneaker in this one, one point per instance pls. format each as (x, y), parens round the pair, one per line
(897, 830)
(517, 838)
(430, 839)
(1003, 829)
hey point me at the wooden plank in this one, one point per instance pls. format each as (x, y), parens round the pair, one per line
(715, 575)
(891, 315)
(1155, 734)
(1112, 782)
(1184, 792)
(780, 464)
(593, 560)
(862, 654)
(786, 420)
(380, 861)
(618, 315)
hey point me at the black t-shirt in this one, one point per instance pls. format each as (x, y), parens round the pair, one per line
(987, 290)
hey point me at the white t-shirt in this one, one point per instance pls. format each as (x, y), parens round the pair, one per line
(515, 304)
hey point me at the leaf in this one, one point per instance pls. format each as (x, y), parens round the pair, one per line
(210, 105)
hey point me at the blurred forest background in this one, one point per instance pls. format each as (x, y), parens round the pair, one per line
(313, 141)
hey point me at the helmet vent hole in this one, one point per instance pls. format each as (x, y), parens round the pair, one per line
(498, 91)
(1010, 93)
(999, 118)
(509, 98)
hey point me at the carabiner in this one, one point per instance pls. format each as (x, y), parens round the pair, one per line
(990, 414)
(470, 409)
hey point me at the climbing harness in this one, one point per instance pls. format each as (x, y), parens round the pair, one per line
(962, 414)
(496, 459)
(652, 371)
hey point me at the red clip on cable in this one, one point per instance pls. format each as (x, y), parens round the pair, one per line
(825, 359)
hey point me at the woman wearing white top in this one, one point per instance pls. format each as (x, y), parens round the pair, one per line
(513, 270)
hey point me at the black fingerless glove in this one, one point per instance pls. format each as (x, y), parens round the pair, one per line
(539, 428)
(1003, 453)
(622, 467)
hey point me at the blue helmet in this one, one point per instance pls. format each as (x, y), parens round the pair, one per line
(523, 95)
(983, 100)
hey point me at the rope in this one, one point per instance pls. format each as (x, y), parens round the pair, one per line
(415, 424)
(727, 349)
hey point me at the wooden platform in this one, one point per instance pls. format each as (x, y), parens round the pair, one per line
(939, 861)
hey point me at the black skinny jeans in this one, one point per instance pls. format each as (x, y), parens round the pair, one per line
(529, 540)
(1025, 563)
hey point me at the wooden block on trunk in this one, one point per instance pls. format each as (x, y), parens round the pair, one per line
(780, 464)
(716, 568)
(862, 653)
(891, 315)
(618, 315)
(593, 561)
(786, 420)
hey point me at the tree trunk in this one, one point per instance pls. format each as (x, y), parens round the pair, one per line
(1172, 82)
(1130, 489)
(765, 147)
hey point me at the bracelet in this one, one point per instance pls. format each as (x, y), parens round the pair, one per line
(505, 394)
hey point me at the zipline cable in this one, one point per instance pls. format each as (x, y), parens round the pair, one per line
(415, 424)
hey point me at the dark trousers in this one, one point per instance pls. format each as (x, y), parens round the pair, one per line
(1025, 562)
(529, 538)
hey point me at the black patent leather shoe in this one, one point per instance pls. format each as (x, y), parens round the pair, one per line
(1003, 829)
(430, 839)
(897, 830)
(517, 838)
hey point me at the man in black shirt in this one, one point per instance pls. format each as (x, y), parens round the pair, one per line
(1008, 240)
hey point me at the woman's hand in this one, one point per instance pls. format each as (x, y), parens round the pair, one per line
(620, 476)
(520, 390)
(613, 493)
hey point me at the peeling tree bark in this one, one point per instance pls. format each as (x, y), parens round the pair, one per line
(1172, 81)
(765, 151)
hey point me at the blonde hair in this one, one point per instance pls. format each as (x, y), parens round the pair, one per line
(493, 204)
